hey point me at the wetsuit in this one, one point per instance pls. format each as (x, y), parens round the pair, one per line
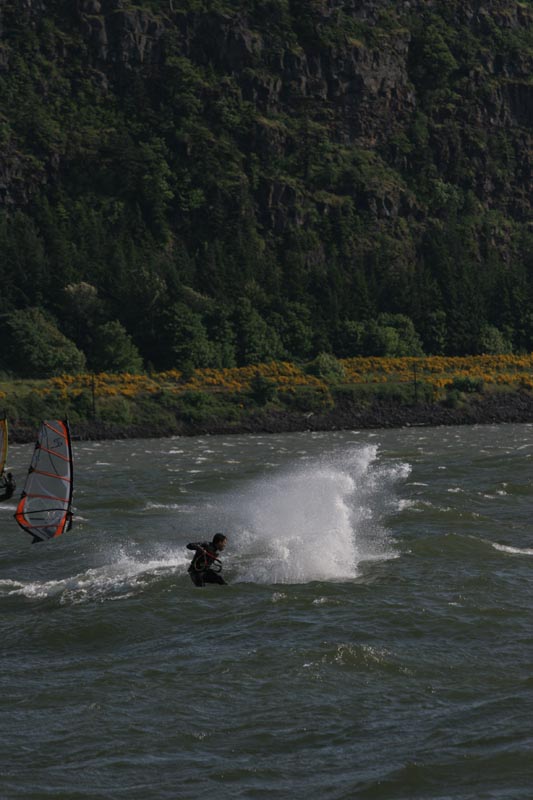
(199, 569)
(8, 485)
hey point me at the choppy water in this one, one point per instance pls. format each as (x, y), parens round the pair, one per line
(376, 640)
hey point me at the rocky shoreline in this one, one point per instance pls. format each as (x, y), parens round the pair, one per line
(493, 408)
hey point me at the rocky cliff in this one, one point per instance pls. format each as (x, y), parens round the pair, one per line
(342, 133)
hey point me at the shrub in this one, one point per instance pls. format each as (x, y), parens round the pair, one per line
(37, 349)
(113, 350)
(147, 411)
(466, 384)
(401, 393)
(33, 408)
(262, 390)
(359, 395)
(307, 398)
(200, 407)
(114, 409)
(82, 405)
(452, 399)
(327, 367)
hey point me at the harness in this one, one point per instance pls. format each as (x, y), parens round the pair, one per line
(201, 562)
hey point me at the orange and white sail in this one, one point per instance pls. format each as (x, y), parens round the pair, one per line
(44, 509)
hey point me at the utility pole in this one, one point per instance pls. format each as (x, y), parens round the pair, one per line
(93, 395)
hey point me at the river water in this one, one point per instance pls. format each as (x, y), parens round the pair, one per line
(375, 639)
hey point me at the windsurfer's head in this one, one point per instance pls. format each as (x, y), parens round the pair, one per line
(219, 540)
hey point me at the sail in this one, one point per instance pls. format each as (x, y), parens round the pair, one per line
(44, 506)
(3, 445)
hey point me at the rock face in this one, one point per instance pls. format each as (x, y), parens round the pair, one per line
(119, 34)
(354, 69)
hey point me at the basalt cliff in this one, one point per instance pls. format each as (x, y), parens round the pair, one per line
(236, 180)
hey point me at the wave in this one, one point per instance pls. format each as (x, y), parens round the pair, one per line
(519, 551)
(126, 576)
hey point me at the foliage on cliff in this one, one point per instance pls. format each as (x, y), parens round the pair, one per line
(211, 183)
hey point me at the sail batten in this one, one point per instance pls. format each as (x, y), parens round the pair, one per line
(50, 475)
(44, 509)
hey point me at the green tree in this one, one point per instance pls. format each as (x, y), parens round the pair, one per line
(327, 367)
(390, 335)
(24, 267)
(432, 328)
(113, 350)
(83, 311)
(431, 60)
(262, 390)
(256, 341)
(221, 336)
(185, 344)
(37, 348)
(294, 326)
(408, 341)
(380, 340)
(493, 342)
(350, 339)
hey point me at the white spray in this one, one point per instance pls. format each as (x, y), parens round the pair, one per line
(310, 523)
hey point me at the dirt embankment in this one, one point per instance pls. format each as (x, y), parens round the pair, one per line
(500, 407)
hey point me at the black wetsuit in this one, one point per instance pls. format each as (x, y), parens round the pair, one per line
(199, 569)
(8, 485)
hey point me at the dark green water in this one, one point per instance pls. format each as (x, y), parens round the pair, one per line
(376, 640)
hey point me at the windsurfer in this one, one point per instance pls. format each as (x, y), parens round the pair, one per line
(205, 566)
(8, 484)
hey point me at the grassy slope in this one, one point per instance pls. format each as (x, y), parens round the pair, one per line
(280, 395)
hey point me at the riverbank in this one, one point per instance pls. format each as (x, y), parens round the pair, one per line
(478, 409)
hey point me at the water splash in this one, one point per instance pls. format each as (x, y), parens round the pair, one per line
(312, 523)
(126, 576)
(317, 520)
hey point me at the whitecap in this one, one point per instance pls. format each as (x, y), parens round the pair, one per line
(520, 551)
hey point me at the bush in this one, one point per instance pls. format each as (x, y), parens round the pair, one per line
(307, 398)
(398, 392)
(82, 405)
(352, 395)
(401, 393)
(466, 385)
(33, 408)
(200, 407)
(327, 367)
(113, 350)
(114, 409)
(262, 390)
(148, 411)
(36, 348)
(452, 399)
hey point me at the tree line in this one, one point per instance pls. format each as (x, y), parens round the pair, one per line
(165, 222)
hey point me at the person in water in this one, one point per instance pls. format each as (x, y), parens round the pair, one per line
(205, 566)
(8, 485)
